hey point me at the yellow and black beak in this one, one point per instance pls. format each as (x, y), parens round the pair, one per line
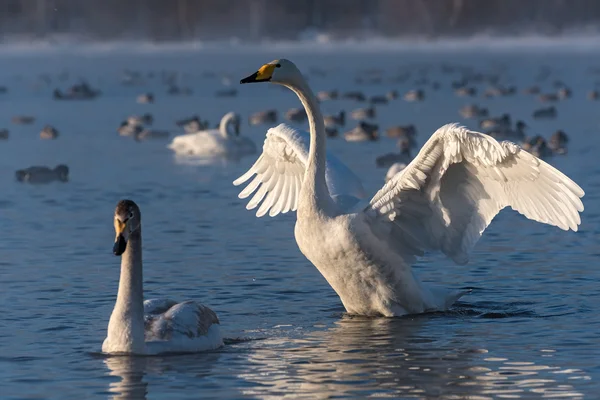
(264, 74)
(120, 240)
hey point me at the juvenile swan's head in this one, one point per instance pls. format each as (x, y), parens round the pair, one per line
(280, 71)
(127, 224)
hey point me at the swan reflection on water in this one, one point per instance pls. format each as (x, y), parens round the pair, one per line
(394, 358)
(192, 160)
(141, 376)
(131, 371)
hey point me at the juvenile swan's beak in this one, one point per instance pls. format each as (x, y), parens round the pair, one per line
(264, 74)
(120, 241)
(120, 245)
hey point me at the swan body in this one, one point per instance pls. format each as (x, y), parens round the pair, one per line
(152, 326)
(443, 200)
(215, 142)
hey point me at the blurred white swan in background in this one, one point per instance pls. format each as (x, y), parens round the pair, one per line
(224, 141)
(394, 169)
(158, 325)
(443, 200)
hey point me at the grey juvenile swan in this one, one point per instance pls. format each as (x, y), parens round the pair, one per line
(158, 325)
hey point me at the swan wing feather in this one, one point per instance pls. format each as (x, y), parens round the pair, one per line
(188, 319)
(273, 182)
(157, 306)
(460, 180)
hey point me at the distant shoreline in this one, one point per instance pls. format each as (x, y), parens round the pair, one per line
(80, 45)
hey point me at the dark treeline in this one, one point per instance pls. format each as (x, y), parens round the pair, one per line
(160, 20)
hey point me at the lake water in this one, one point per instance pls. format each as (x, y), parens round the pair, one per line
(529, 329)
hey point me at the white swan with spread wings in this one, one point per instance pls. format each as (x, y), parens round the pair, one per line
(443, 200)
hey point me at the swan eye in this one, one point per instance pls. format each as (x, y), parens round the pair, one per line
(278, 66)
(130, 215)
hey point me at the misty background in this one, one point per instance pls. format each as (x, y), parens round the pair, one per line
(253, 20)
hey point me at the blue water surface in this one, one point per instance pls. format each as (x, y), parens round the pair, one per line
(529, 329)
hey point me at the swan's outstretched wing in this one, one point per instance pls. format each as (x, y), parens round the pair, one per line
(279, 171)
(460, 180)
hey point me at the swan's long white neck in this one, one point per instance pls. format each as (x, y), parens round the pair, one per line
(314, 194)
(224, 124)
(126, 325)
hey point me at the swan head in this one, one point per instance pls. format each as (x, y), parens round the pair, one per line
(280, 71)
(127, 224)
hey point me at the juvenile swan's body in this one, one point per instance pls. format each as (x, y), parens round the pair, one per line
(443, 200)
(224, 141)
(152, 326)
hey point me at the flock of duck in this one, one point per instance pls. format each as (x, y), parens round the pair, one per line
(440, 200)
(225, 139)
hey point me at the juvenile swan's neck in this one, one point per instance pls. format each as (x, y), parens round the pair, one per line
(314, 194)
(126, 325)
